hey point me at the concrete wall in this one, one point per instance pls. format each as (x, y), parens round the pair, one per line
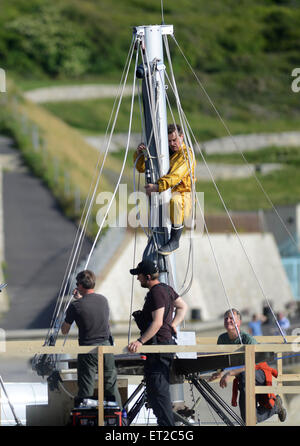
(243, 290)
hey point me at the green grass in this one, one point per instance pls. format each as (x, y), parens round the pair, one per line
(281, 155)
(282, 187)
(243, 52)
(92, 117)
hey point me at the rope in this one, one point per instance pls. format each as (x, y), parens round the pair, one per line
(236, 146)
(162, 12)
(219, 273)
(189, 163)
(56, 321)
(224, 205)
(133, 265)
(185, 126)
(152, 102)
(241, 244)
(153, 108)
(190, 264)
(121, 173)
(190, 267)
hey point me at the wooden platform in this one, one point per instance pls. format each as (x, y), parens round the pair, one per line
(209, 356)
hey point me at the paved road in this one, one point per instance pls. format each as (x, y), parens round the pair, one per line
(227, 144)
(38, 242)
(75, 92)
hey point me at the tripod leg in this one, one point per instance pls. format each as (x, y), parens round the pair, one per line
(136, 408)
(221, 402)
(134, 394)
(212, 403)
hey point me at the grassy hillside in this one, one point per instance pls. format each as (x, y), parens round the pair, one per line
(282, 186)
(244, 51)
(92, 116)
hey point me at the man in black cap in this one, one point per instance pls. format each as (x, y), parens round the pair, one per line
(158, 326)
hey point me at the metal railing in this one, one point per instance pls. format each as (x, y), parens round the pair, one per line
(270, 344)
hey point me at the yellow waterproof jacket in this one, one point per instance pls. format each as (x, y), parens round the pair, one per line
(179, 176)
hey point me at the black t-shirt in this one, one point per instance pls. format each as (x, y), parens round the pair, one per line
(91, 314)
(161, 295)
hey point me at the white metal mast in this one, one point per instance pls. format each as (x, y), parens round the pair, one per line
(152, 71)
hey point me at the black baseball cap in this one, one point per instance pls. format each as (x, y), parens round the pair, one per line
(145, 267)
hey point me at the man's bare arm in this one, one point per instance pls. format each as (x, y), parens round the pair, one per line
(180, 312)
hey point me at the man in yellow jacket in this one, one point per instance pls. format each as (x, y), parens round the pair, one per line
(180, 179)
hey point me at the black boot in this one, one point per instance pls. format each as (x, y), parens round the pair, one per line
(173, 243)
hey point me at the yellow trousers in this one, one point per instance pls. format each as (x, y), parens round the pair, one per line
(181, 208)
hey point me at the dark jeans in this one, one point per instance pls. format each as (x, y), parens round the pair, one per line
(87, 369)
(262, 413)
(157, 372)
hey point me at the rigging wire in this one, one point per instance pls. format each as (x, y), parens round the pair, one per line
(133, 262)
(55, 322)
(90, 198)
(122, 170)
(236, 145)
(132, 286)
(153, 137)
(239, 239)
(184, 124)
(219, 271)
(189, 164)
(244, 250)
(124, 76)
(155, 132)
(190, 266)
(153, 107)
(119, 94)
(162, 12)
(182, 117)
